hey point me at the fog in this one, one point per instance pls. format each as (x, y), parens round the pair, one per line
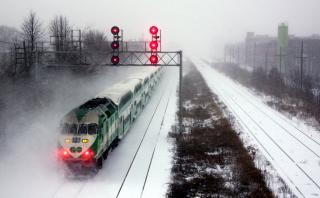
(28, 166)
(195, 26)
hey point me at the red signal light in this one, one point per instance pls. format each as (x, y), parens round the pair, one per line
(115, 30)
(115, 60)
(153, 30)
(153, 59)
(153, 45)
(115, 45)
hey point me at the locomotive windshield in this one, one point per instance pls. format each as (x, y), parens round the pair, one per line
(92, 129)
(69, 128)
(80, 129)
(83, 129)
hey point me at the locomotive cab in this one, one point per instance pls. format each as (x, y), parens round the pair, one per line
(86, 133)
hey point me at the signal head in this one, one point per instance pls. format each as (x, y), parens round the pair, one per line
(153, 45)
(115, 60)
(153, 30)
(153, 59)
(115, 30)
(115, 45)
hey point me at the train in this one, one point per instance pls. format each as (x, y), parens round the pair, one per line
(90, 131)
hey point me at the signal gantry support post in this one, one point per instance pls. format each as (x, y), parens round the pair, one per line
(180, 94)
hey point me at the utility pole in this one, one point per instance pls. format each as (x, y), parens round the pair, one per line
(230, 54)
(266, 62)
(301, 57)
(254, 54)
(301, 65)
(80, 46)
(238, 58)
(225, 54)
(280, 58)
(234, 54)
(246, 54)
(280, 55)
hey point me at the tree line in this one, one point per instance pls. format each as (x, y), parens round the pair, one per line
(59, 37)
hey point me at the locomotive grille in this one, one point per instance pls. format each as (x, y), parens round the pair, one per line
(74, 149)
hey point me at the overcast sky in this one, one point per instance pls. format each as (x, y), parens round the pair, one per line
(191, 25)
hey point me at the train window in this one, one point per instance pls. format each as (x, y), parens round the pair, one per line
(73, 128)
(137, 88)
(126, 98)
(146, 81)
(112, 108)
(92, 129)
(108, 113)
(83, 129)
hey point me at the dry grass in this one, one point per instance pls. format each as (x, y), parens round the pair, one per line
(210, 159)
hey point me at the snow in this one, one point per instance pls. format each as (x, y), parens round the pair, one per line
(30, 169)
(292, 150)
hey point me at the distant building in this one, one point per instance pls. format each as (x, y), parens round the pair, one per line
(264, 51)
(283, 35)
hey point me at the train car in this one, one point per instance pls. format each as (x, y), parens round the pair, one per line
(136, 87)
(90, 131)
(145, 87)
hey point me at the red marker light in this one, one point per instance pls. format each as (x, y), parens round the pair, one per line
(153, 30)
(115, 30)
(87, 155)
(115, 60)
(115, 45)
(153, 59)
(63, 154)
(153, 45)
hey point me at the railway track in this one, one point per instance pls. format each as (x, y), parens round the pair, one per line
(315, 149)
(260, 133)
(143, 138)
(279, 116)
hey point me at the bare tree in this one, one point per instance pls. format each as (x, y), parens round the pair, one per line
(8, 34)
(95, 46)
(61, 38)
(59, 30)
(95, 40)
(32, 31)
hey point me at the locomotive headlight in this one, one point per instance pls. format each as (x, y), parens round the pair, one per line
(67, 140)
(85, 140)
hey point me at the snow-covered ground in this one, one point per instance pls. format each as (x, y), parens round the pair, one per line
(292, 147)
(139, 166)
